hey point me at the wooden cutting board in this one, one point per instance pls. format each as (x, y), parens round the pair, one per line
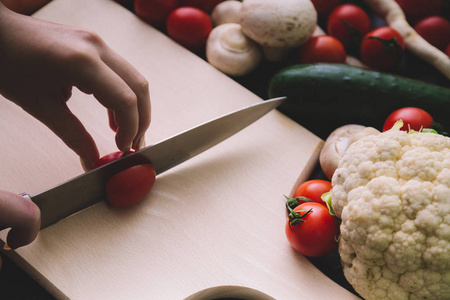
(211, 227)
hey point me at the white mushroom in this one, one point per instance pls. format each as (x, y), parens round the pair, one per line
(337, 143)
(231, 51)
(278, 25)
(226, 12)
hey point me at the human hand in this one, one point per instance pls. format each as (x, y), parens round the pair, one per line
(40, 64)
(22, 215)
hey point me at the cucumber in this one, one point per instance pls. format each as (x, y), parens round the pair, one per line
(322, 97)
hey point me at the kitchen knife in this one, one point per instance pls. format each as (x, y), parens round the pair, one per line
(87, 189)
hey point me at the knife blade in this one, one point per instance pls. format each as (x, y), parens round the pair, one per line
(88, 189)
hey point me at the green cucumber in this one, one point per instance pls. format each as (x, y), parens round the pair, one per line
(322, 97)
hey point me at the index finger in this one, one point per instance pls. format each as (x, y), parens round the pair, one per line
(138, 84)
(113, 93)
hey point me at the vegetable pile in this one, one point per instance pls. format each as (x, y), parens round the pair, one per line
(322, 97)
(388, 210)
(250, 32)
(387, 207)
(392, 192)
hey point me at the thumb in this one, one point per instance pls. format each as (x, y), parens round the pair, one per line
(22, 215)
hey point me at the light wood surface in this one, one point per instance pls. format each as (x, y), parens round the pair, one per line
(211, 227)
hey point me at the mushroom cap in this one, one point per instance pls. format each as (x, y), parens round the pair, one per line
(226, 12)
(337, 143)
(276, 23)
(231, 51)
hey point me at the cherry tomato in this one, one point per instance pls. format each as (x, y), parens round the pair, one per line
(190, 27)
(129, 186)
(322, 48)
(382, 48)
(323, 7)
(205, 5)
(316, 236)
(412, 117)
(416, 10)
(109, 158)
(348, 23)
(313, 190)
(155, 12)
(447, 50)
(435, 30)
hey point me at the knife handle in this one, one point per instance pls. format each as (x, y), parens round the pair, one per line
(25, 195)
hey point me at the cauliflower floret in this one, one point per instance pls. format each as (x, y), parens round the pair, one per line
(392, 192)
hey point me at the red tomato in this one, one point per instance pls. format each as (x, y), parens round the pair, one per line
(435, 30)
(348, 23)
(322, 48)
(323, 7)
(129, 186)
(190, 27)
(317, 235)
(205, 5)
(416, 10)
(313, 190)
(155, 12)
(447, 50)
(382, 48)
(109, 158)
(412, 117)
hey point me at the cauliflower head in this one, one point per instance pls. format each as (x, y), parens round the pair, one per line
(392, 192)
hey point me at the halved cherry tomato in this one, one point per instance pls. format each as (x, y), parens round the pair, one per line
(109, 158)
(190, 27)
(129, 186)
(435, 30)
(313, 190)
(412, 117)
(324, 49)
(315, 232)
(382, 48)
(348, 23)
(155, 12)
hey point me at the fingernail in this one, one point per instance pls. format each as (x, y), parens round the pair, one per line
(6, 247)
(140, 143)
(86, 164)
(125, 152)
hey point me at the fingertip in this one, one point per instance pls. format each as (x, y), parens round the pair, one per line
(27, 231)
(139, 143)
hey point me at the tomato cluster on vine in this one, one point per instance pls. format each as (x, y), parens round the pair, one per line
(310, 227)
(349, 30)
